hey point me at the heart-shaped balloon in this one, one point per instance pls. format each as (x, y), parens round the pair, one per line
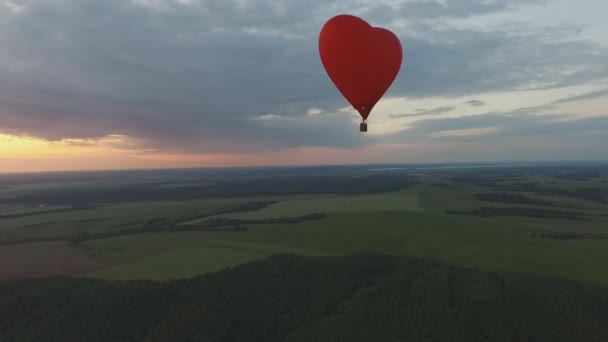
(361, 60)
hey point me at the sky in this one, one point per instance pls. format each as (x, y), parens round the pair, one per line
(118, 84)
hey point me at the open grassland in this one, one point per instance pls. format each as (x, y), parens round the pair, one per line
(342, 204)
(112, 217)
(511, 244)
(413, 222)
(192, 259)
(489, 244)
(179, 263)
(107, 218)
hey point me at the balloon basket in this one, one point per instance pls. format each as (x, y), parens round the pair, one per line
(363, 127)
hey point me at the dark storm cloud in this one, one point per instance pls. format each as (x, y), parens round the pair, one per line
(195, 76)
(434, 111)
(476, 103)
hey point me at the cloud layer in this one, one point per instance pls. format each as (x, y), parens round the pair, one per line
(424, 112)
(236, 76)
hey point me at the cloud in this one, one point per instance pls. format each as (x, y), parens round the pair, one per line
(433, 9)
(80, 143)
(423, 112)
(506, 127)
(427, 10)
(11, 6)
(468, 132)
(195, 76)
(476, 103)
(457, 62)
(586, 96)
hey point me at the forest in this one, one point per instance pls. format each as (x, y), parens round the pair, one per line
(293, 298)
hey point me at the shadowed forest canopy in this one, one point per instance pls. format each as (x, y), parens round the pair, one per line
(292, 298)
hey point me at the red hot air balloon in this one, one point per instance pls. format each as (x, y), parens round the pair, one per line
(361, 60)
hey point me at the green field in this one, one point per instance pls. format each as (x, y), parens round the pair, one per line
(410, 222)
(188, 259)
(344, 204)
(106, 217)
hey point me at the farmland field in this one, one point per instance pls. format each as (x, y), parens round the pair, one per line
(342, 204)
(199, 254)
(44, 259)
(526, 221)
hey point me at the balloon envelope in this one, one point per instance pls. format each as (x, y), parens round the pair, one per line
(361, 60)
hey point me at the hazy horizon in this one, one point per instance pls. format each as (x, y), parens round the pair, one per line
(471, 164)
(163, 84)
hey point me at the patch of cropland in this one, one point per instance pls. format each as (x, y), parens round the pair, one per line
(501, 192)
(335, 204)
(161, 225)
(588, 194)
(523, 212)
(43, 259)
(505, 197)
(582, 175)
(238, 208)
(290, 298)
(164, 225)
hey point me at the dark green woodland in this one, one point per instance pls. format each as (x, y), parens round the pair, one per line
(294, 298)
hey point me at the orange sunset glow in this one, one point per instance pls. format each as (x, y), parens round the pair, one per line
(25, 154)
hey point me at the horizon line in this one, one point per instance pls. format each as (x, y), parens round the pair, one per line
(552, 161)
